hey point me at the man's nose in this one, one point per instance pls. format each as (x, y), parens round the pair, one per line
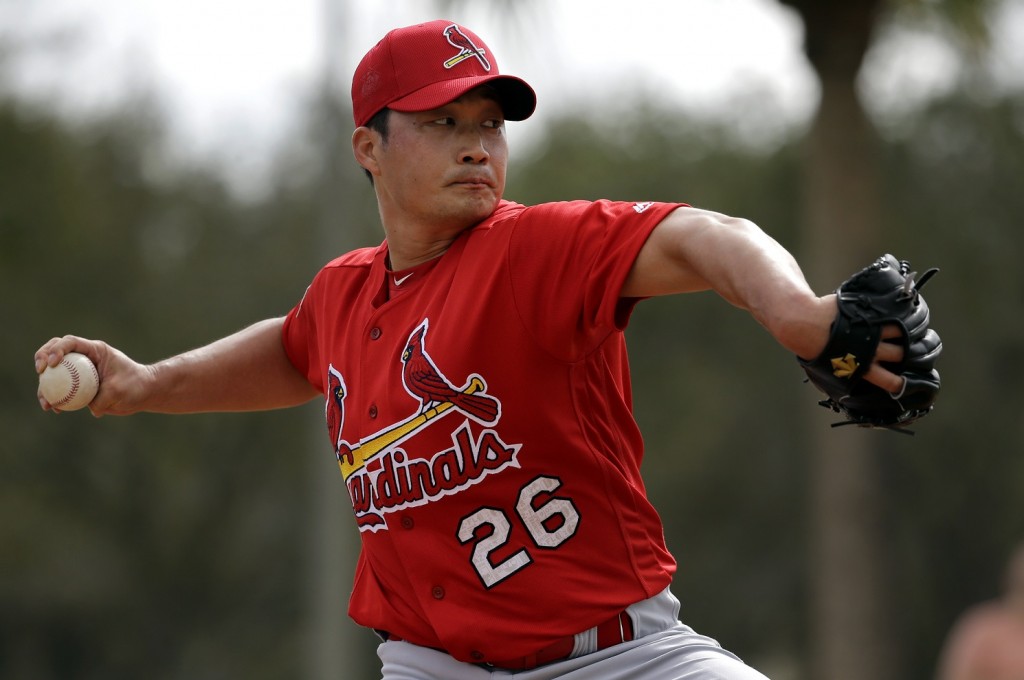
(474, 151)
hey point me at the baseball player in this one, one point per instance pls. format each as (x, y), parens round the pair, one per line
(476, 389)
(987, 641)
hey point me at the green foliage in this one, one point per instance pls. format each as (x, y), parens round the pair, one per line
(954, 188)
(964, 22)
(142, 547)
(167, 547)
(714, 396)
(723, 409)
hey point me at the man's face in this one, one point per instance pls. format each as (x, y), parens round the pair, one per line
(443, 169)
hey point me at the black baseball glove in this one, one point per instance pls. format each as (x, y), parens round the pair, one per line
(883, 293)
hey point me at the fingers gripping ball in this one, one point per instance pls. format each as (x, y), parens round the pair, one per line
(71, 384)
(881, 294)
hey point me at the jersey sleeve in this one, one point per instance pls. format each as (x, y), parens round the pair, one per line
(300, 338)
(568, 263)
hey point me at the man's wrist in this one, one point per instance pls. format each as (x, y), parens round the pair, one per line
(804, 328)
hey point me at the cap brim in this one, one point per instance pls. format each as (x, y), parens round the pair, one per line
(517, 99)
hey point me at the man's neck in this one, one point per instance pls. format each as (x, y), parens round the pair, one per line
(409, 247)
(400, 259)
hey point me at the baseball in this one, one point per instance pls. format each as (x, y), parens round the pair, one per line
(71, 384)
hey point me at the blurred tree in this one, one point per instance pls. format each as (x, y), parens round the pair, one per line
(724, 463)
(720, 463)
(854, 634)
(176, 548)
(137, 547)
(953, 183)
(344, 218)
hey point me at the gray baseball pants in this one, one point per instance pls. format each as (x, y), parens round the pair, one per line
(664, 649)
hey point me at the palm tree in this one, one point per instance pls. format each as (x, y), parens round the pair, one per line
(853, 636)
(851, 615)
(336, 646)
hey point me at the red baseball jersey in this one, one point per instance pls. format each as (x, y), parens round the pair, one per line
(480, 409)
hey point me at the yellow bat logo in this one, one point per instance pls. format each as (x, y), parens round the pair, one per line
(356, 457)
(844, 367)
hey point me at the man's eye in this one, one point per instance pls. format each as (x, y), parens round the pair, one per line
(446, 120)
(494, 123)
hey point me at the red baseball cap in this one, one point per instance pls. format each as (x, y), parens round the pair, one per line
(422, 67)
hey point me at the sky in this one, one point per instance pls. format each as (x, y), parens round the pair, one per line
(233, 74)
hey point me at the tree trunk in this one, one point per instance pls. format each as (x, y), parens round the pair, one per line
(336, 646)
(852, 632)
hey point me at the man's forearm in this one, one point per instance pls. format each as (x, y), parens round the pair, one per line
(697, 250)
(245, 371)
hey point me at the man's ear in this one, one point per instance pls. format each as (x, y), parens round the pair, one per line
(365, 145)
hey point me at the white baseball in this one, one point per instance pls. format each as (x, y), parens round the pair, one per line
(71, 384)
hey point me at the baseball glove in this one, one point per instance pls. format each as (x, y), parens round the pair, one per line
(883, 293)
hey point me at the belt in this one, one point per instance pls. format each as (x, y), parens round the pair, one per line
(614, 631)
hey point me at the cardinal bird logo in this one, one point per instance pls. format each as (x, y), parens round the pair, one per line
(467, 48)
(388, 470)
(426, 383)
(335, 404)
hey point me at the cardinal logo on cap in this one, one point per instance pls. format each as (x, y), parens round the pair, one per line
(467, 48)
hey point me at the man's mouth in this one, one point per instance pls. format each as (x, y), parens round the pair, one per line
(474, 182)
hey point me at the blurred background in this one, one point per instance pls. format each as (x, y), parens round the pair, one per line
(173, 171)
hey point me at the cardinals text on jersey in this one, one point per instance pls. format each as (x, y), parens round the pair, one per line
(381, 477)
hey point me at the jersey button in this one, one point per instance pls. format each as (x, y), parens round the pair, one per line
(373, 410)
(437, 592)
(375, 333)
(407, 522)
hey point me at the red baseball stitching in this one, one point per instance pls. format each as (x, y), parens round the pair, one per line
(75, 380)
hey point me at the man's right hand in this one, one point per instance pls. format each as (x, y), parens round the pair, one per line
(123, 382)
(245, 371)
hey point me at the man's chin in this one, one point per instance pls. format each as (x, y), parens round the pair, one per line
(478, 209)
